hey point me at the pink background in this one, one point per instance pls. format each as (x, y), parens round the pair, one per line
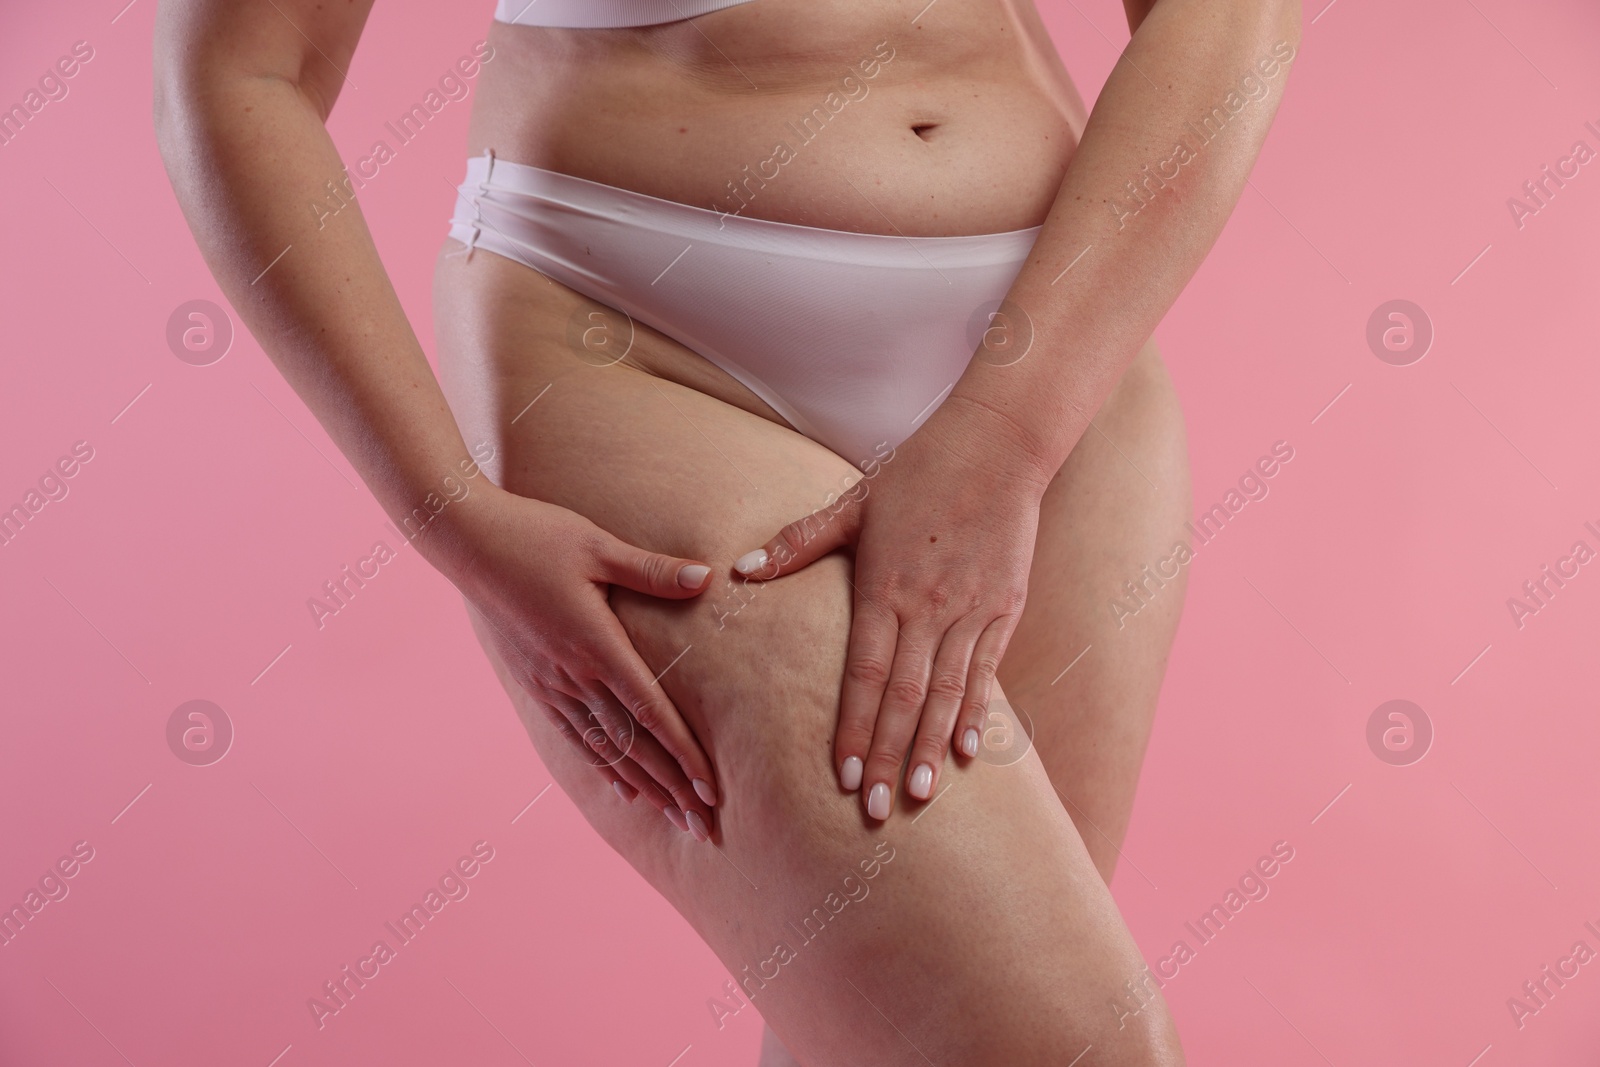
(375, 752)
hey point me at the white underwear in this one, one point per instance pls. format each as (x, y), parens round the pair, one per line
(853, 338)
(603, 14)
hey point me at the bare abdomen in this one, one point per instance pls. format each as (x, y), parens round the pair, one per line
(843, 114)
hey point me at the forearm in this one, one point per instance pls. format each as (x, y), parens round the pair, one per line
(248, 154)
(1143, 200)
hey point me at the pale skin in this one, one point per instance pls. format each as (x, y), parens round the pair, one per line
(993, 542)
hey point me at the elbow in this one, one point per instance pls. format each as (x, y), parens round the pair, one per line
(178, 85)
(179, 114)
(202, 77)
(172, 59)
(165, 108)
(172, 110)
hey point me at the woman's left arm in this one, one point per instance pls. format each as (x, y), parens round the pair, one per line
(1162, 162)
(944, 533)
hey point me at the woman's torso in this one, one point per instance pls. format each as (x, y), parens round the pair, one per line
(800, 111)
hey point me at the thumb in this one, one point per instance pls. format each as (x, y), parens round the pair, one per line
(651, 572)
(803, 541)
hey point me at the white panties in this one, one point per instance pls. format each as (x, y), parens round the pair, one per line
(601, 14)
(854, 338)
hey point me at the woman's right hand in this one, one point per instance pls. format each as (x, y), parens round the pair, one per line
(539, 575)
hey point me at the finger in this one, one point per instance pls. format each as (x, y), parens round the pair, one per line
(580, 724)
(903, 698)
(608, 732)
(806, 540)
(668, 776)
(637, 782)
(632, 782)
(626, 677)
(946, 686)
(626, 776)
(874, 632)
(663, 771)
(650, 572)
(562, 712)
(986, 654)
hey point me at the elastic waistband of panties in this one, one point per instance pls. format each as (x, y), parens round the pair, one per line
(560, 193)
(604, 14)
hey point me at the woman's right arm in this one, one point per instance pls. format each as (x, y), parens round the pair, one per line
(243, 89)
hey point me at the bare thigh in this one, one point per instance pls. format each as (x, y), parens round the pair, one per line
(975, 929)
(1087, 677)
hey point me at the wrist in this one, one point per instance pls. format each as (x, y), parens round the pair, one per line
(447, 523)
(997, 441)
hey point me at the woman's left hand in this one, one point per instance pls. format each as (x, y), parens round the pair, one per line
(943, 530)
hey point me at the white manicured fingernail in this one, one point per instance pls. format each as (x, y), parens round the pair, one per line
(921, 781)
(697, 826)
(878, 802)
(691, 576)
(751, 562)
(850, 774)
(675, 817)
(969, 742)
(704, 791)
(625, 791)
